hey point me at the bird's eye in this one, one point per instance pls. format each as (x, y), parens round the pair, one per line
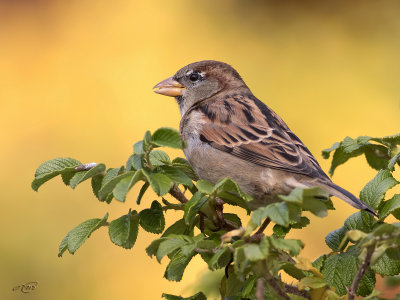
(194, 77)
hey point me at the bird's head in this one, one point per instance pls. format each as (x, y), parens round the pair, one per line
(199, 81)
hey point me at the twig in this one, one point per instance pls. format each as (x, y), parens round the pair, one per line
(260, 289)
(294, 290)
(360, 273)
(201, 223)
(271, 281)
(177, 194)
(256, 238)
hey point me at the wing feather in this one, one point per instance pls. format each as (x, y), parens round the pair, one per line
(245, 127)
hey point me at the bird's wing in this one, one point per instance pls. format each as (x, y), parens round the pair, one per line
(245, 127)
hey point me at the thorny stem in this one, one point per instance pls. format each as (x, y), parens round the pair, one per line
(360, 273)
(260, 289)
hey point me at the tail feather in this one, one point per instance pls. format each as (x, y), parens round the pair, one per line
(337, 191)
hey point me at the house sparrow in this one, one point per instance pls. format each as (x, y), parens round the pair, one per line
(230, 133)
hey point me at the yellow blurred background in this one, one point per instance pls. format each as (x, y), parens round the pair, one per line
(76, 80)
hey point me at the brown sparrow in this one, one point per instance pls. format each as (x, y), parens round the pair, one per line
(230, 133)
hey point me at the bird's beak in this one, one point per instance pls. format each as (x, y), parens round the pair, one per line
(169, 87)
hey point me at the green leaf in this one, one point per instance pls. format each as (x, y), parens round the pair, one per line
(280, 231)
(220, 259)
(152, 249)
(386, 266)
(171, 244)
(179, 227)
(193, 206)
(176, 175)
(277, 212)
(374, 192)
(233, 218)
(389, 206)
(152, 219)
(96, 184)
(183, 165)
(142, 191)
(167, 137)
(393, 161)
(52, 168)
(160, 183)
(376, 156)
(360, 220)
(335, 238)
(205, 186)
(392, 140)
(63, 246)
(124, 185)
(198, 296)
(78, 235)
(367, 284)
(111, 182)
(292, 246)
(327, 152)
(312, 282)
(253, 252)
(138, 148)
(339, 271)
(159, 158)
(124, 230)
(84, 175)
(177, 266)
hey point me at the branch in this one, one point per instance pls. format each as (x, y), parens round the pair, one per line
(361, 271)
(294, 290)
(256, 238)
(260, 289)
(177, 194)
(271, 281)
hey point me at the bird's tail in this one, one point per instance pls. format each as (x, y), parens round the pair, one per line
(341, 193)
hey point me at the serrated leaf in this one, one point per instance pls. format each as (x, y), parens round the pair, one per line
(233, 218)
(138, 148)
(277, 212)
(96, 184)
(193, 206)
(152, 219)
(312, 282)
(326, 153)
(367, 284)
(142, 191)
(335, 238)
(254, 252)
(360, 220)
(179, 227)
(389, 206)
(169, 245)
(220, 259)
(339, 271)
(124, 230)
(108, 186)
(280, 231)
(124, 185)
(152, 249)
(393, 161)
(78, 235)
(376, 156)
(292, 246)
(205, 186)
(167, 137)
(160, 183)
(177, 266)
(63, 246)
(84, 175)
(52, 168)
(159, 158)
(386, 266)
(198, 296)
(374, 192)
(176, 175)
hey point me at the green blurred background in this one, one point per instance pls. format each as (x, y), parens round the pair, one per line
(76, 80)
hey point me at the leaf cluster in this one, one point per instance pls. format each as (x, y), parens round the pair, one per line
(253, 263)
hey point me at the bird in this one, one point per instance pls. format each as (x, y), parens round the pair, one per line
(230, 133)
